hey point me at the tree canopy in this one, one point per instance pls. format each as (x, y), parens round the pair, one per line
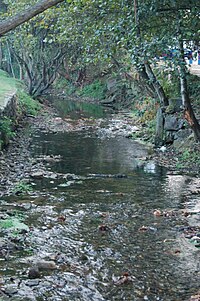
(131, 34)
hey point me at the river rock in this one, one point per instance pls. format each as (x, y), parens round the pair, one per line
(32, 282)
(34, 273)
(24, 293)
(182, 134)
(41, 266)
(52, 176)
(38, 174)
(45, 265)
(11, 289)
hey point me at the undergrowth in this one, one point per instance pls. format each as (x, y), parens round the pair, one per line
(27, 104)
(144, 112)
(94, 90)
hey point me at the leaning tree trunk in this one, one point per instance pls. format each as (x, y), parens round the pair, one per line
(143, 76)
(25, 15)
(146, 71)
(188, 110)
(157, 86)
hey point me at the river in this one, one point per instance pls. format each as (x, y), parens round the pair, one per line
(94, 217)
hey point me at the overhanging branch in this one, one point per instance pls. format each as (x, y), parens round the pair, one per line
(25, 15)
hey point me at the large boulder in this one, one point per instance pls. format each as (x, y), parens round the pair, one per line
(173, 123)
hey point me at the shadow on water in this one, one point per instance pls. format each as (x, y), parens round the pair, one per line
(100, 228)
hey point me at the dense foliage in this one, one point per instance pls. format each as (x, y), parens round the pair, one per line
(128, 36)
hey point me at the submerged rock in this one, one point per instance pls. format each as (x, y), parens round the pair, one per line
(46, 265)
(34, 273)
(41, 266)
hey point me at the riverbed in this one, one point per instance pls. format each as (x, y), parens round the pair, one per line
(100, 220)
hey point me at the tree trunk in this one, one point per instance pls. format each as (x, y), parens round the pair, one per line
(157, 86)
(1, 55)
(10, 60)
(143, 76)
(146, 72)
(188, 110)
(20, 18)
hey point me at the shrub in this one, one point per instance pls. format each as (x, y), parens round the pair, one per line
(94, 90)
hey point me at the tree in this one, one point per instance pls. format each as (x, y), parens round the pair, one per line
(27, 14)
(179, 26)
(143, 30)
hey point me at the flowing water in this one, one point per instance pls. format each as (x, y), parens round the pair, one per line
(97, 224)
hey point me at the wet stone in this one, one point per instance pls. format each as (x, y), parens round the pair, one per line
(32, 282)
(46, 265)
(11, 289)
(34, 273)
(37, 175)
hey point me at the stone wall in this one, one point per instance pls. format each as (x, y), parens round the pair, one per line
(171, 128)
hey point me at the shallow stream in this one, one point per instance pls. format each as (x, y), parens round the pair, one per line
(97, 224)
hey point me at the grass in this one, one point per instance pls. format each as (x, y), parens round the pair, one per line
(7, 86)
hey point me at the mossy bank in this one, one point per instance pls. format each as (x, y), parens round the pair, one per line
(15, 103)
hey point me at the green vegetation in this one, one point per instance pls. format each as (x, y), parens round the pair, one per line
(94, 90)
(22, 187)
(28, 105)
(144, 112)
(64, 86)
(188, 157)
(7, 86)
(6, 131)
(6, 125)
(13, 225)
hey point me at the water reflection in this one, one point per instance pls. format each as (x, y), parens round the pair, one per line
(77, 109)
